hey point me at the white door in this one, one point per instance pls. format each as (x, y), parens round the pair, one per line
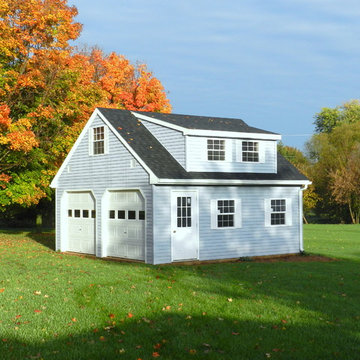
(184, 225)
(126, 225)
(81, 222)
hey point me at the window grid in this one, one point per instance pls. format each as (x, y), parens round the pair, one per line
(226, 210)
(250, 151)
(99, 140)
(278, 211)
(216, 150)
(83, 214)
(183, 211)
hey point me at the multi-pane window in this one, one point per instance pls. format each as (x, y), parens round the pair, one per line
(183, 211)
(99, 140)
(127, 214)
(216, 150)
(278, 212)
(250, 151)
(226, 213)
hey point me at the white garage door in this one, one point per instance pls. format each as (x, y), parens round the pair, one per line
(81, 222)
(126, 225)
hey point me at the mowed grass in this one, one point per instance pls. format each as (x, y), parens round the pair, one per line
(58, 306)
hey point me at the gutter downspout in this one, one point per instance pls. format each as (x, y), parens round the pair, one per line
(301, 236)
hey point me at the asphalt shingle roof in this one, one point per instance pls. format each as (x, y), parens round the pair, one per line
(162, 163)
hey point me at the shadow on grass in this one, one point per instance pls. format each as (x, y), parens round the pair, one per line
(174, 336)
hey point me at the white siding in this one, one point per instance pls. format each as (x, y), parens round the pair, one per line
(101, 172)
(172, 140)
(196, 160)
(252, 239)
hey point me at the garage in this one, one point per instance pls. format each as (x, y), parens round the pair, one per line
(81, 222)
(126, 224)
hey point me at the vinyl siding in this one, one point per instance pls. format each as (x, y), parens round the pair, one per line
(252, 239)
(172, 140)
(101, 172)
(196, 150)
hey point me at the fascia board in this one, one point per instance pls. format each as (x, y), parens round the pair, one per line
(55, 180)
(209, 133)
(153, 177)
(232, 182)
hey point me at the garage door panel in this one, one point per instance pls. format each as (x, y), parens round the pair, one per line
(126, 225)
(81, 222)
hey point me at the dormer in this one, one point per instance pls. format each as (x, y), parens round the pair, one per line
(207, 144)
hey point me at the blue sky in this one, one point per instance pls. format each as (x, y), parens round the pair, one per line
(273, 64)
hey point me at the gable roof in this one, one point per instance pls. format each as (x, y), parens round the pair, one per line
(168, 170)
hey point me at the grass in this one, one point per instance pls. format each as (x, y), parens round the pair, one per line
(57, 306)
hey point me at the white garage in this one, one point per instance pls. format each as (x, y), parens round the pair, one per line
(125, 224)
(81, 222)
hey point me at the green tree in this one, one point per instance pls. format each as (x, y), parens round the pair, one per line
(328, 118)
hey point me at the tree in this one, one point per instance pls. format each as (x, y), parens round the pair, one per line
(48, 90)
(302, 163)
(335, 169)
(328, 118)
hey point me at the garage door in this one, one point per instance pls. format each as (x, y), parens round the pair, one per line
(81, 222)
(126, 225)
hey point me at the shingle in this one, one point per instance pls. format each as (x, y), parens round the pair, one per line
(205, 122)
(164, 166)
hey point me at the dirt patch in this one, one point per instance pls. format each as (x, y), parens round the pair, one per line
(289, 258)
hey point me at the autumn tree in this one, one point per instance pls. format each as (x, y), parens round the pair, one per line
(335, 169)
(302, 163)
(48, 90)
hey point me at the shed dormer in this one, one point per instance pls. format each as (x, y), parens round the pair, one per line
(208, 144)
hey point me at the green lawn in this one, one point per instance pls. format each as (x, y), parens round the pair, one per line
(56, 306)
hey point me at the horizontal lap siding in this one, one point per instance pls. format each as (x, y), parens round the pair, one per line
(98, 173)
(172, 140)
(196, 148)
(252, 239)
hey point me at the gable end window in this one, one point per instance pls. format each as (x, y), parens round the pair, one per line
(278, 212)
(250, 151)
(225, 213)
(98, 140)
(215, 150)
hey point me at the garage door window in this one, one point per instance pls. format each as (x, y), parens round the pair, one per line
(112, 214)
(77, 213)
(141, 215)
(70, 213)
(85, 213)
(132, 215)
(121, 214)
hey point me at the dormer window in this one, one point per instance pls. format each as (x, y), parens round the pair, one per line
(216, 150)
(250, 151)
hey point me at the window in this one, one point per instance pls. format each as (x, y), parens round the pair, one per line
(250, 151)
(70, 213)
(111, 214)
(225, 213)
(141, 215)
(121, 214)
(278, 212)
(183, 208)
(85, 213)
(98, 140)
(77, 213)
(131, 215)
(93, 214)
(216, 150)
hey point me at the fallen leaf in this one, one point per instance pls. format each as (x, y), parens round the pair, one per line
(2, 290)
(229, 299)
(111, 316)
(37, 311)
(37, 292)
(192, 351)
(155, 354)
(235, 333)
(130, 315)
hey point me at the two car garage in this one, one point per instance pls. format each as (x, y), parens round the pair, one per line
(122, 224)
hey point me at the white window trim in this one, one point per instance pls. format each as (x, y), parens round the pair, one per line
(91, 140)
(228, 150)
(268, 212)
(215, 212)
